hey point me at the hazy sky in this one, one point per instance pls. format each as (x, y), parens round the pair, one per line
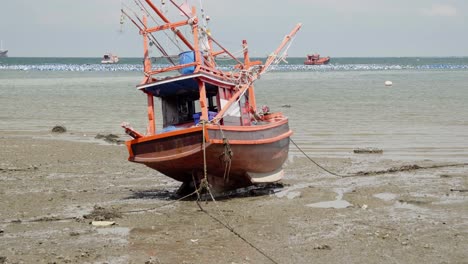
(337, 28)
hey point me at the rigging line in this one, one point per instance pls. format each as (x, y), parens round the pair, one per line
(144, 9)
(235, 53)
(180, 9)
(154, 40)
(160, 48)
(158, 45)
(279, 58)
(225, 50)
(150, 35)
(372, 173)
(131, 19)
(203, 15)
(203, 30)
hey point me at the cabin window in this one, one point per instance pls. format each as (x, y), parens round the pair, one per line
(177, 110)
(183, 110)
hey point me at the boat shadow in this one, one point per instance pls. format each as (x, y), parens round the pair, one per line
(156, 194)
(168, 195)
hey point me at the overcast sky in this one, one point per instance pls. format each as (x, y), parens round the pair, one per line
(337, 28)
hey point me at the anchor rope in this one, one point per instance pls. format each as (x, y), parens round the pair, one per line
(226, 155)
(371, 173)
(236, 233)
(205, 185)
(313, 161)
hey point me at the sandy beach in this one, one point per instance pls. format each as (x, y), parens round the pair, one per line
(52, 190)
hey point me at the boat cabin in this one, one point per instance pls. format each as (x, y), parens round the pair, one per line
(181, 104)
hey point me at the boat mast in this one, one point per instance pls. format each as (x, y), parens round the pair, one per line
(247, 66)
(147, 68)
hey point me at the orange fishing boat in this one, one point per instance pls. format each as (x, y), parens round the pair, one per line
(315, 59)
(211, 130)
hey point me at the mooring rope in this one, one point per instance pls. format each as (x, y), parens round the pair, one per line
(226, 155)
(205, 185)
(313, 161)
(236, 233)
(371, 173)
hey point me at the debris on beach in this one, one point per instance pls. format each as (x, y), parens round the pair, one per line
(391, 170)
(101, 214)
(326, 247)
(286, 106)
(459, 190)
(110, 138)
(30, 167)
(59, 129)
(102, 223)
(368, 151)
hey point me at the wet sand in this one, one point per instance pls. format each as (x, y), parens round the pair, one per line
(52, 189)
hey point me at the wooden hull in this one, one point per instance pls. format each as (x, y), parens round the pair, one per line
(258, 153)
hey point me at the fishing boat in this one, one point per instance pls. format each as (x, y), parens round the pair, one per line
(211, 132)
(109, 58)
(3, 53)
(315, 59)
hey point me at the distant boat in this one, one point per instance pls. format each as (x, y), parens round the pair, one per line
(3, 53)
(109, 58)
(315, 59)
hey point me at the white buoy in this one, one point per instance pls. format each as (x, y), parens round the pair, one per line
(388, 83)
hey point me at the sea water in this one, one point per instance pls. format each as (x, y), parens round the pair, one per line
(333, 108)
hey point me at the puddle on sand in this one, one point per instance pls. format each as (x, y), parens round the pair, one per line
(339, 203)
(290, 195)
(118, 235)
(385, 196)
(120, 231)
(291, 192)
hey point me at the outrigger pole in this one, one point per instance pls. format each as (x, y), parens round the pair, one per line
(263, 70)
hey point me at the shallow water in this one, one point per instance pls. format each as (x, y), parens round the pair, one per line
(422, 116)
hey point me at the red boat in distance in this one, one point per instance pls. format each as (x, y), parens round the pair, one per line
(316, 60)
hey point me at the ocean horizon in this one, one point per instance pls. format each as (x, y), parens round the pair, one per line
(291, 64)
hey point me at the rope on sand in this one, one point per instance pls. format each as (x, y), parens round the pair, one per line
(205, 185)
(373, 173)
